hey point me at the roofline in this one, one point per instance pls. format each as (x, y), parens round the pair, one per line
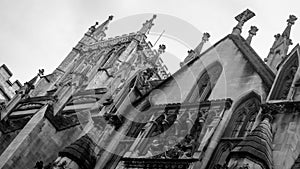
(261, 68)
(185, 66)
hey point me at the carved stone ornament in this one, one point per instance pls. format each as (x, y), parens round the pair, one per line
(245, 16)
(292, 19)
(253, 30)
(205, 37)
(242, 18)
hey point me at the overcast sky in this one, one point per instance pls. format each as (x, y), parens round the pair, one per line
(39, 34)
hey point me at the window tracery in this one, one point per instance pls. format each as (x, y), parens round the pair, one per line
(240, 124)
(243, 118)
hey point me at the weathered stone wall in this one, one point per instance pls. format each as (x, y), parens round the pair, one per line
(286, 143)
(42, 143)
(6, 139)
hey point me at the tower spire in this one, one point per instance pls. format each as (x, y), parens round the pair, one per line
(252, 32)
(147, 25)
(279, 49)
(242, 18)
(99, 32)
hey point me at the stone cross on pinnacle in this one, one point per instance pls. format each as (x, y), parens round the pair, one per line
(242, 18)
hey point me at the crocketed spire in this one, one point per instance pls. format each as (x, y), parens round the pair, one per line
(147, 25)
(98, 32)
(279, 49)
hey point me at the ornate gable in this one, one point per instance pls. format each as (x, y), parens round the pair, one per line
(286, 84)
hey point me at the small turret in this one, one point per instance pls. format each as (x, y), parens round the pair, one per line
(147, 26)
(99, 32)
(94, 34)
(279, 49)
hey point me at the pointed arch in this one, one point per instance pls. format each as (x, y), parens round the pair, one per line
(119, 53)
(244, 114)
(244, 109)
(208, 79)
(285, 78)
(242, 98)
(114, 54)
(107, 57)
(220, 156)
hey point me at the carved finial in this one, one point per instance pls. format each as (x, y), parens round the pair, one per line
(110, 17)
(153, 17)
(277, 36)
(242, 18)
(205, 37)
(252, 32)
(147, 25)
(291, 20)
(93, 28)
(161, 48)
(41, 72)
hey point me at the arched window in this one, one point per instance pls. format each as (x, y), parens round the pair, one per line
(116, 59)
(250, 123)
(107, 57)
(238, 124)
(202, 90)
(243, 118)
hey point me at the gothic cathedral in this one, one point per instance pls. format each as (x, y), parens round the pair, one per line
(112, 104)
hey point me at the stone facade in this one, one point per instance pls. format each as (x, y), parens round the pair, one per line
(112, 104)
